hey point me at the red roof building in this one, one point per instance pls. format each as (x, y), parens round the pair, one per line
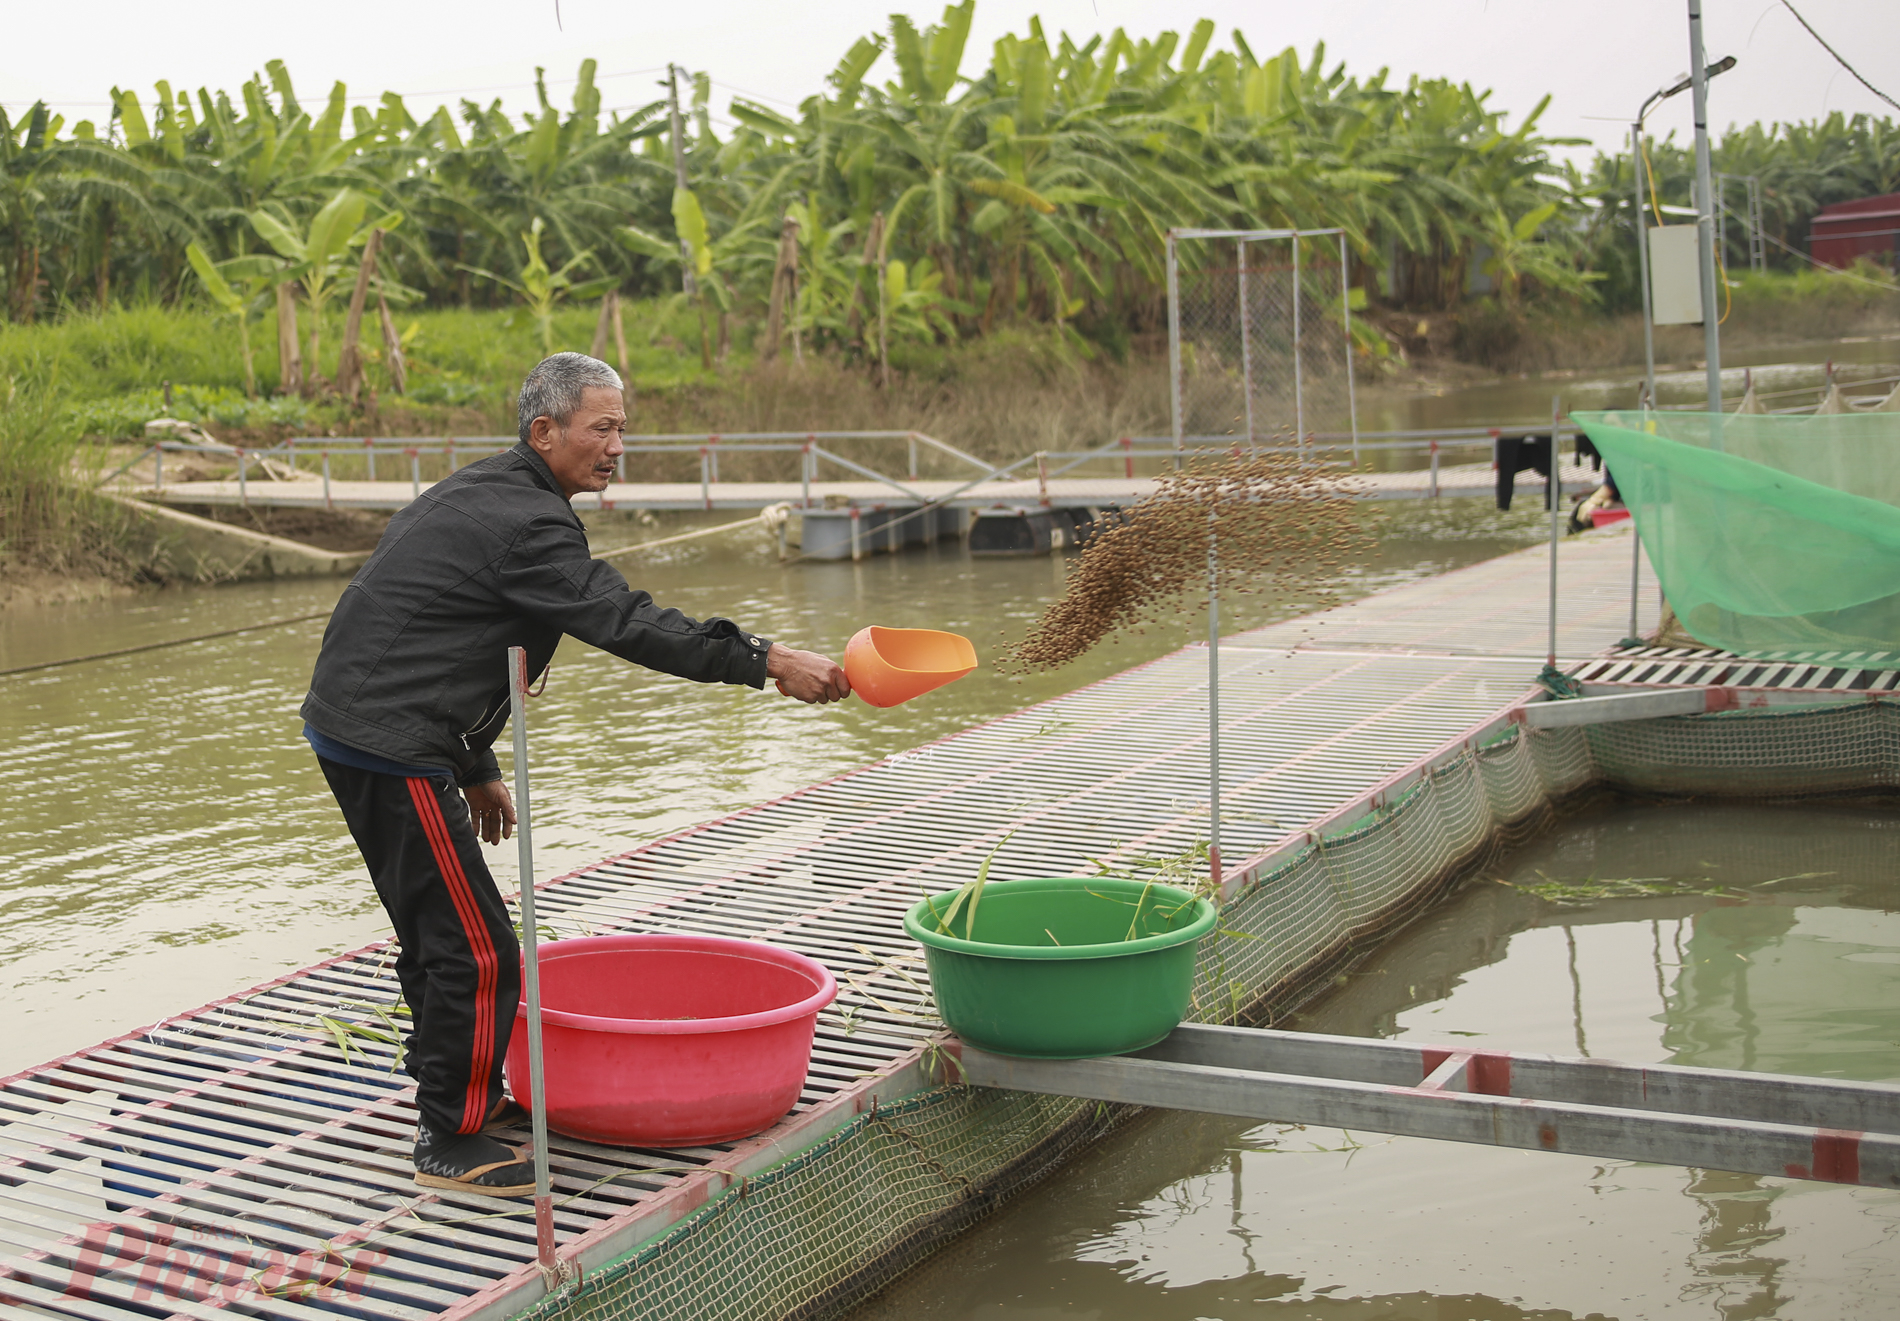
(1868, 228)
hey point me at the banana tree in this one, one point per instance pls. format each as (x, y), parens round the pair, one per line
(251, 276)
(715, 260)
(542, 288)
(318, 258)
(1517, 254)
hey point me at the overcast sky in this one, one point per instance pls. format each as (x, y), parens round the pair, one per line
(1597, 60)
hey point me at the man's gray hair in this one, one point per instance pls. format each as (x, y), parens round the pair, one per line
(553, 389)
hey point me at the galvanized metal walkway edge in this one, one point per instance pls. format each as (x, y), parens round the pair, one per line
(246, 1158)
(1825, 1129)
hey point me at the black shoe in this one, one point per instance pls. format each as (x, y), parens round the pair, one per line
(508, 1113)
(472, 1163)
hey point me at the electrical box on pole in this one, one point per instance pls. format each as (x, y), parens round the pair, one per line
(1675, 275)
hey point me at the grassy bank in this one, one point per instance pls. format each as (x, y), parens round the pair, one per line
(1011, 391)
(1760, 311)
(52, 526)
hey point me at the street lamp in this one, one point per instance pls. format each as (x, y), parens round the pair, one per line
(1639, 173)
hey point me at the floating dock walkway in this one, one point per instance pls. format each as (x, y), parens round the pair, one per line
(251, 1157)
(1029, 505)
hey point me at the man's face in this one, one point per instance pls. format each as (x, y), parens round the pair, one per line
(583, 454)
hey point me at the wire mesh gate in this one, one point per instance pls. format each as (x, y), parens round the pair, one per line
(1259, 334)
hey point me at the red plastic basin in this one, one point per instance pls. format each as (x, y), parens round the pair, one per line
(670, 1041)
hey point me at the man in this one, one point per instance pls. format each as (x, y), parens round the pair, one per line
(411, 689)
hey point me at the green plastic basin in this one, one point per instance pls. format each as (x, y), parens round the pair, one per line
(1048, 973)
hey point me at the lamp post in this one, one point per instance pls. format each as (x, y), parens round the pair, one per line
(1639, 172)
(1705, 211)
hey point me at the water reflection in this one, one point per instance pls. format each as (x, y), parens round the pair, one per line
(1193, 1216)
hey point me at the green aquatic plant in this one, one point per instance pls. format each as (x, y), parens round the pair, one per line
(1572, 894)
(970, 892)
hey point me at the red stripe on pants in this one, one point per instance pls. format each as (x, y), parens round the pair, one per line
(481, 1062)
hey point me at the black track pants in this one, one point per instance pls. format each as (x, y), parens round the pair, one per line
(459, 965)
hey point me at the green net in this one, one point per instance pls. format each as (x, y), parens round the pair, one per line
(1772, 536)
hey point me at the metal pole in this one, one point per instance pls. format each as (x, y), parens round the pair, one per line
(804, 472)
(1246, 338)
(1636, 570)
(1757, 241)
(1705, 220)
(243, 497)
(1213, 700)
(531, 966)
(369, 452)
(1642, 266)
(1299, 403)
(1555, 492)
(1352, 389)
(326, 481)
(1174, 344)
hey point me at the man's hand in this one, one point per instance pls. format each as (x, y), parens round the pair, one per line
(492, 810)
(806, 675)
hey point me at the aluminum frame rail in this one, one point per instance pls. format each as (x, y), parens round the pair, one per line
(1751, 1123)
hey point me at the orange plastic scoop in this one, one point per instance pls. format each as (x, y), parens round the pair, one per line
(887, 666)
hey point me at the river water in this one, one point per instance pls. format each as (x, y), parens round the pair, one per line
(1796, 970)
(169, 839)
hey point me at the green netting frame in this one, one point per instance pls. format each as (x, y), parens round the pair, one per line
(1772, 536)
(820, 1232)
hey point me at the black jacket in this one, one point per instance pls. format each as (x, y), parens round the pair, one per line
(414, 660)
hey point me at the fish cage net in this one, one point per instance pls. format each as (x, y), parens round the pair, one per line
(1775, 537)
(1259, 336)
(821, 1232)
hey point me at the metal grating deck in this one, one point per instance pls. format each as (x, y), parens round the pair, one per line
(1853, 671)
(235, 1160)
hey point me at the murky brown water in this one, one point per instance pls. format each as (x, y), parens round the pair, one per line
(1193, 1217)
(169, 839)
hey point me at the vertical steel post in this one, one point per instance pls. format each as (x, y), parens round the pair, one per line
(705, 479)
(1213, 699)
(1174, 344)
(369, 453)
(805, 465)
(913, 458)
(158, 468)
(857, 545)
(531, 963)
(1556, 493)
(1434, 470)
(1636, 571)
(1705, 221)
(243, 496)
(327, 504)
(1246, 337)
(1299, 399)
(1352, 389)
(1642, 266)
